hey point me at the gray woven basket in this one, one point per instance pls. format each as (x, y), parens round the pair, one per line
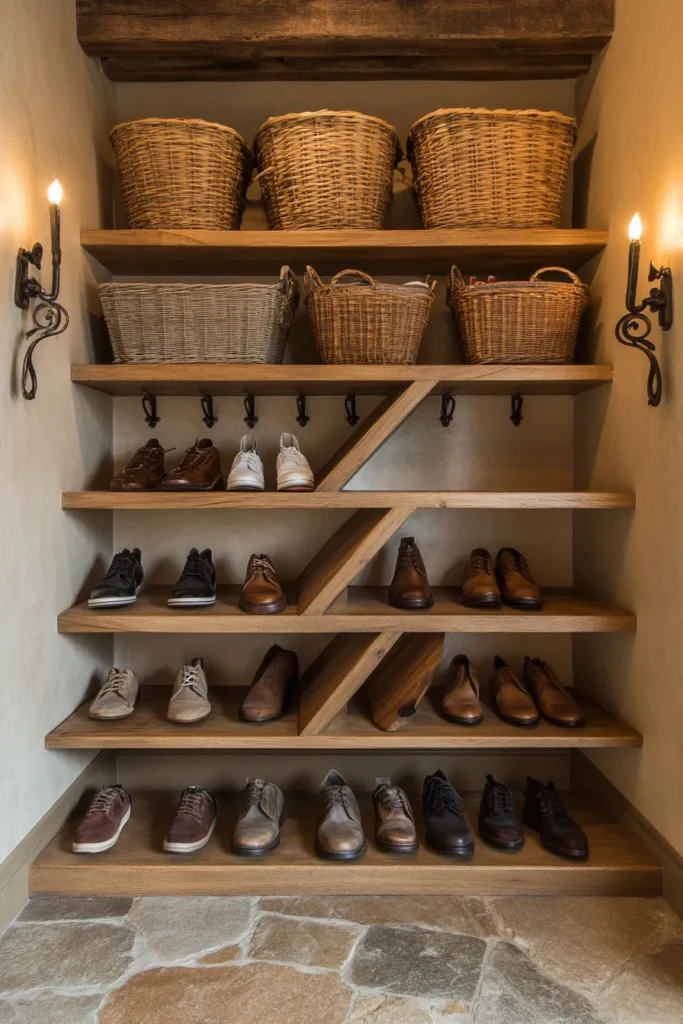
(200, 323)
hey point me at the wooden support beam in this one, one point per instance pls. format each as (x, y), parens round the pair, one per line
(401, 680)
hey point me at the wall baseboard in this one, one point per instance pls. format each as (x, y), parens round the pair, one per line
(14, 870)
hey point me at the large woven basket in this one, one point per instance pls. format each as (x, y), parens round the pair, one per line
(366, 321)
(179, 173)
(491, 168)
(531, 321)
(326, 169)
(200, 323)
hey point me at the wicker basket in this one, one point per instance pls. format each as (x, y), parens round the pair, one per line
(327, 169)
(366, 321)
(491, 168)
(180, 173)
(200, 323)
(531, 321)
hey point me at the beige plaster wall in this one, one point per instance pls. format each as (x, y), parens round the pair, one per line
(631, 126)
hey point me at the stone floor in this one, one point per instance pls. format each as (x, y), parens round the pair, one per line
(366, 960)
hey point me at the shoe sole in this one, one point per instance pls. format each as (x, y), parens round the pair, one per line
(245, 487)
(270, 609)
(191, 602)
(389, 848)
(498, 845)
(565, 725)
(175, 721)
(189, 847)
(109, 718)
(106, 845)
(242, 852)
(412, 606)
(296, 483)
(525, 606)
(463, 721)
(326, 855)
(115, 602)
(217, 485)
(461, 851)
(488, 602)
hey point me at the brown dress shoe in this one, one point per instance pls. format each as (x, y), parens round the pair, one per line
(394, 821)
(553, 701)
(258, 826)
(461, 701)
(339, 835)
(194, 822)
(262, 593)
(273, 687)
(410, 587)
(103, 822)
(479, 588)
(145, 470)
(512, 702)
(516, 582)
(200, 470)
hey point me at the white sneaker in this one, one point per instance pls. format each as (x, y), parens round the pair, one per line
(247, 469)
(293, 470)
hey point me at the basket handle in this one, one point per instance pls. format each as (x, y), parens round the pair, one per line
(353, 273)
(557, 270)
(311, 280)
(455, 278)
(262, 174)
(287, 279)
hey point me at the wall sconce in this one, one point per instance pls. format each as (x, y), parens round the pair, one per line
(48, 316)
(634, 328)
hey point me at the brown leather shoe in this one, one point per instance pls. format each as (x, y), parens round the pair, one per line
(258, 826)
(145, 470)
(511, 700)
(339, 835)
(479, 588)
(262, 593)
(394, 821)
(199, 470)
(103, 822)
(273, 687)
(410, 587)
(194, 822)
(517, 585)
(553, 701)
(461, 701)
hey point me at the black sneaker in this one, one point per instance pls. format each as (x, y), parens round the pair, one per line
(197, 583)
(123, 582)
(499, 825)
(446, 828)
(545, 812)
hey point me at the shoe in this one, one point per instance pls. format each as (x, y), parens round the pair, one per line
(293, 470)
(394, 821)
(545, 812)
(516, 583)
(511, 701)
(447, 830)
(258, 826)
(479, 588)
(339, 835)
(410, 587)
(199, 470)
(262, 593)
(190, 698)
(460, 703)
(552, 700)
(145, 470)
(122, 583)
(499, 825)
(197, 584)
(194, 822)
(116, 699)
(273, 687)
(103, 822)
(247, 469)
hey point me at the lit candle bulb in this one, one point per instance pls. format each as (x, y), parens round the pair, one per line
(635, 231)
(54, 195)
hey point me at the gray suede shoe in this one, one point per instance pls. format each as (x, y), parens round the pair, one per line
(116, 699)
(190, 699)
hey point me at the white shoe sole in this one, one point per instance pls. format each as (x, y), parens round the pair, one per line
(189, 847)
(296, 481)
(190, 602)
(246, 482)
(115, 602)
(101, 847)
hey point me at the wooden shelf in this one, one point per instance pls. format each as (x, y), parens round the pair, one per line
(292, 379)
(138, 866)
(358, 610)
(406, 252)
(149, 729)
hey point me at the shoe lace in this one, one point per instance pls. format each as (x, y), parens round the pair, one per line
(114, 684)
(409, 558)
(518, 563)
(193, 457)
(197, 566)
(249, 459)
(121, 565)
(262, 564)
(551, 803)
(442, 797)
(292, 455)
(393, 799)
(191, 804)
(145, 458)
(190, 677)
(479, 563)
(103, 800)
(501, 799)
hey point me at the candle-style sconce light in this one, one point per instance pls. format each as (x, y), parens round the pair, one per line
(634, 329)
(48, 316)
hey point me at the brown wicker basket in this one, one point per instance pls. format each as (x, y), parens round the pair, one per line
(518, 321)
(326, 169)
(179, 173)
(200, 323)
(491, 168)
(366, 321)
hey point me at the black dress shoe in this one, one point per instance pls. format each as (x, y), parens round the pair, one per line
(499, 825)
(197, 583)
(122, 584)
(446, 828)
(547, 815)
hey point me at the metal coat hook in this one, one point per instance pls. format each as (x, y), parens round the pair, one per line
(149, 407)
(251, 419)
(516, 407)
(302, 419)
(209, 417)
(350, 406)
(447, 409)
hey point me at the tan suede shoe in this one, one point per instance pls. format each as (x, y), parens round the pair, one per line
(511, 700)
(116, 699)
(553, 701)
(339, 835)
(190, 698)
(517, 585)
(479, 588)
(273, 687)
(261, 812)
(394, 821)
(461, 701)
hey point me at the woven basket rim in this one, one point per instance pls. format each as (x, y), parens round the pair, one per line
(550, 115)
(179, 120)
(308, 114)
